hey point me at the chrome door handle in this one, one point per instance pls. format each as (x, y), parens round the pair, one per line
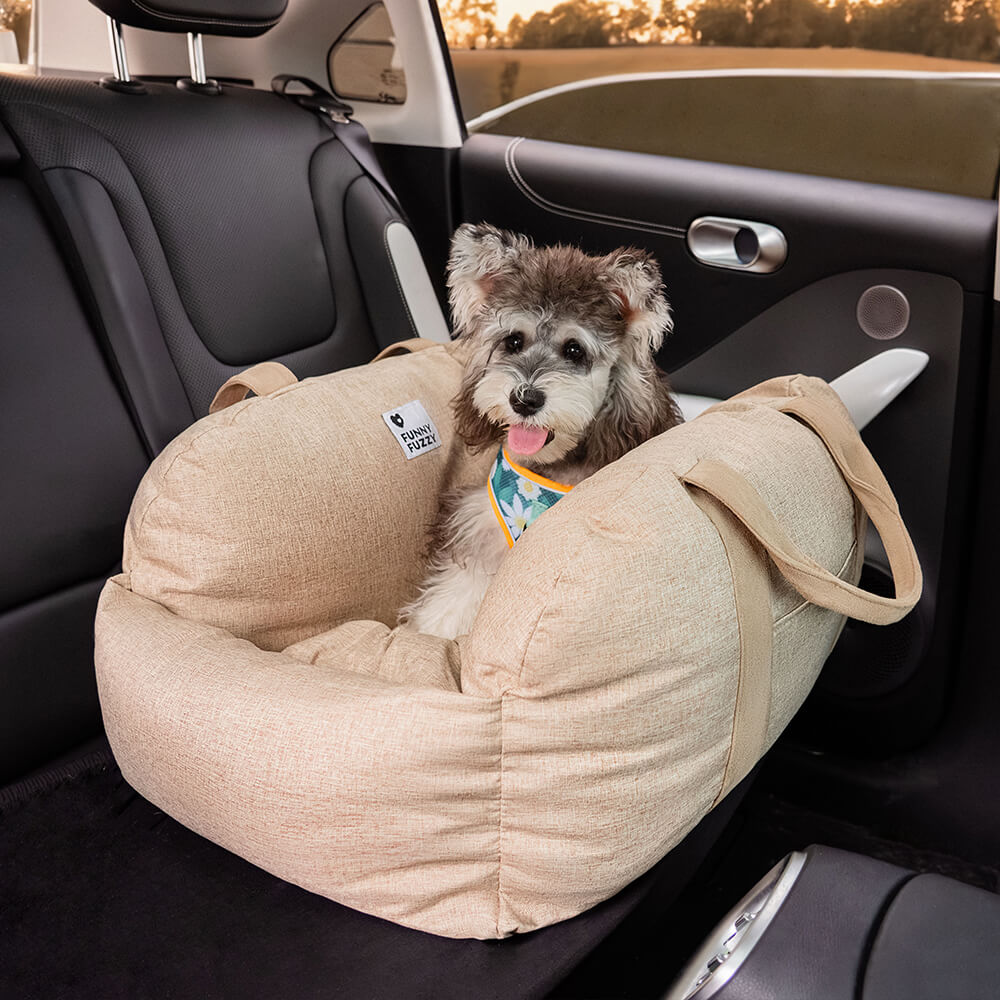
(737, 244)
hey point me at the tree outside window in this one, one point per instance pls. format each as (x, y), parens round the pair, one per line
(953, 29)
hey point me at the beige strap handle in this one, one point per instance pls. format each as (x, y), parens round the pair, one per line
(262, 379)
(752, 596)
(863, 476)
(410, 346)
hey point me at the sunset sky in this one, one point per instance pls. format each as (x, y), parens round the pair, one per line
(506, 9)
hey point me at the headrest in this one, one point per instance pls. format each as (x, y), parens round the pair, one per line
(236, 18)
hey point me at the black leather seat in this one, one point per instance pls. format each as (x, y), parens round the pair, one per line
(210, 231)
(201, 232)
(204, 233)
(72, 459)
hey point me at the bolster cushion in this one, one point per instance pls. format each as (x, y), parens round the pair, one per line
(640, 648)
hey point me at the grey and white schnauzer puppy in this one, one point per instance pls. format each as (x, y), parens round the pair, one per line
(560, 378)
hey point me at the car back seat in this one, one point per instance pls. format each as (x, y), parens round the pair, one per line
(210, 230)
(72, 460)
(204, 231)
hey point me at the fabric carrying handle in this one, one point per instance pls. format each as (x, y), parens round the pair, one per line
(402, 347)
(752, 596)
(262, 379)
(866, 482)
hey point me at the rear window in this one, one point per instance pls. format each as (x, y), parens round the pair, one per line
(364, 62)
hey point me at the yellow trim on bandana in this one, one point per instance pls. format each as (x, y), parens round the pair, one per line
(533, 476)
(518, 496)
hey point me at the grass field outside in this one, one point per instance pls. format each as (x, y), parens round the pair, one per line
(487, 78)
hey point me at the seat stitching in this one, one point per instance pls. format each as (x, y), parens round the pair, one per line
(576, 213)
(799, 607)
(500, 817)
(199, 19)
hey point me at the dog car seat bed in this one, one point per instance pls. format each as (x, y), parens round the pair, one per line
(638, 651)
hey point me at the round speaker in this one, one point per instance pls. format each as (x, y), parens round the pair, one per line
(883, 312)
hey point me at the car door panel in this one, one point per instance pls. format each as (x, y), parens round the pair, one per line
(883, 688)
(733, 329)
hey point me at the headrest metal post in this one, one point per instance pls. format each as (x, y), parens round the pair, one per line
(118, 55)
(196, 56)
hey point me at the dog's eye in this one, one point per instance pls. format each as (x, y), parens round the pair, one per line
(572, 351)
(513, 343)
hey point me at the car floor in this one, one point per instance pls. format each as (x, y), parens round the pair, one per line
(107, 896)
(639, 964)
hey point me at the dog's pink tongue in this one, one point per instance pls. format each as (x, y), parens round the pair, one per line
(526, 440)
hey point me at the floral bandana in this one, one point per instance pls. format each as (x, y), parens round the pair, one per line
(519, 496)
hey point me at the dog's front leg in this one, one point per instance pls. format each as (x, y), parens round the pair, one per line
(460, 571)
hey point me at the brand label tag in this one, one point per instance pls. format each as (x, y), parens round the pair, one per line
(413, 428)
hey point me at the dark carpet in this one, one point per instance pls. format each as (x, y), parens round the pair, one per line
(103, 896)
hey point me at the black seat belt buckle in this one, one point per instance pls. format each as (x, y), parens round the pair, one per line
(336, 109)
(315, 97)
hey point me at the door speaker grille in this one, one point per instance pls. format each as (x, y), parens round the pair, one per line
(883, 312)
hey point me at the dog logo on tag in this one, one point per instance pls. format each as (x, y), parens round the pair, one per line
(412, 428)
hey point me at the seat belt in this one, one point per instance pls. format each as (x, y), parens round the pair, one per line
(337, 115)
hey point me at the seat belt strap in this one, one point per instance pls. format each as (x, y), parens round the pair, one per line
(337, 115)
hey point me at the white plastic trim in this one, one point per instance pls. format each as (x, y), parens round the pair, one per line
(8, 48)
(870, 387)
(415, 284)
(429, 116)
(866, 390)
(728, 946)
(692, 406)
(71, 37)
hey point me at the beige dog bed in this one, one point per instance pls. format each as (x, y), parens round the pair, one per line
(637, 653)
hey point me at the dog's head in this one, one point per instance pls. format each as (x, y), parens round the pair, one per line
(562, 348)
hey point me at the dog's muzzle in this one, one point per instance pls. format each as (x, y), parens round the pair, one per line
(526, 399)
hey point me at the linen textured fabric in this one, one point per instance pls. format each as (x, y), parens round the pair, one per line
(611, 690)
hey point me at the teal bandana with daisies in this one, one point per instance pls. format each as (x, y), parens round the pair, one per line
(518, 495)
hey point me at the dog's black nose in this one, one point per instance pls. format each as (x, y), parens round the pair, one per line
(526, 399)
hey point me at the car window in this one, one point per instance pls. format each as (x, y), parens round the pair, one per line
(16, 35)
(892, 91)
(364, 62)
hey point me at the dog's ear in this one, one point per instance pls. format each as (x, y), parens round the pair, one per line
(470, 425)
(636, 286)
(638, 406)
(480, 255)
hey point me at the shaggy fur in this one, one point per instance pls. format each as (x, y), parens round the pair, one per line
(561, 344)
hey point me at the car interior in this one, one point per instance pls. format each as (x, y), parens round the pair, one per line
(169, 216)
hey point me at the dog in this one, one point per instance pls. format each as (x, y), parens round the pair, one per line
(560, 379)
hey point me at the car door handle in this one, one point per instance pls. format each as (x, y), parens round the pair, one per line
(737, 244)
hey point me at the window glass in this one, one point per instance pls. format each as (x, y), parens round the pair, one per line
(364, 62)
(894, 91)
(16, 34)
